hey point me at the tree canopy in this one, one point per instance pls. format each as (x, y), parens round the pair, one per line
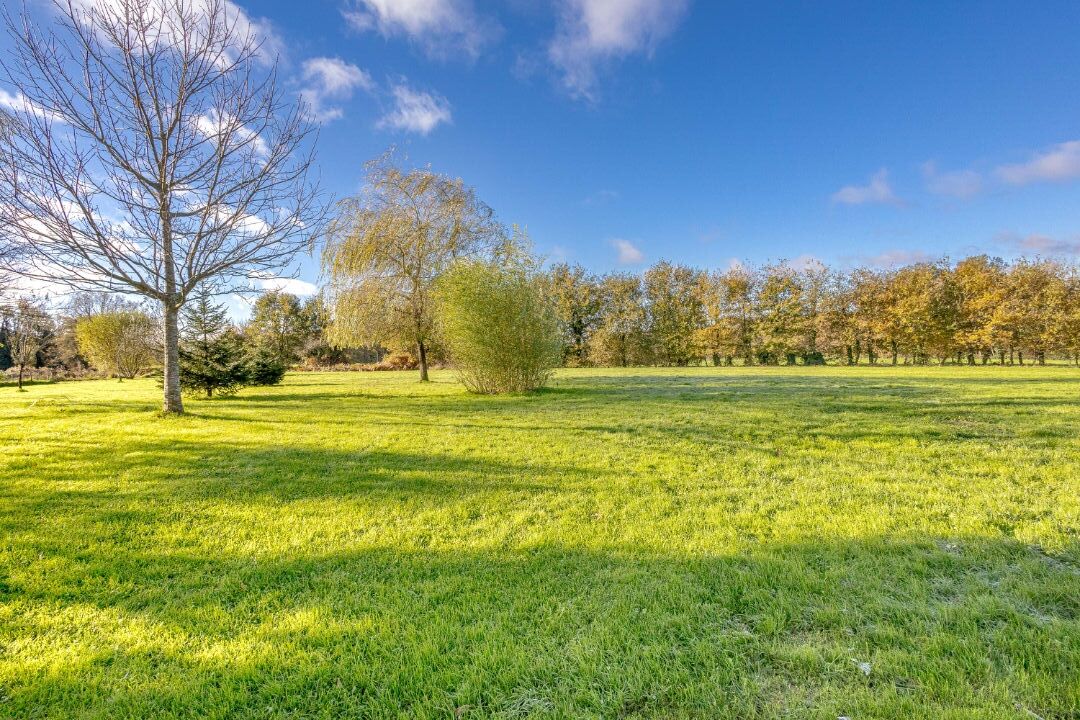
(386, 248)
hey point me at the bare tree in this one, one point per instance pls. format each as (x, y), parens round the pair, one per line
(386, 247)
(153, 153)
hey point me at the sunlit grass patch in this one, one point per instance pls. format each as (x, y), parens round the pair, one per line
(798, 543)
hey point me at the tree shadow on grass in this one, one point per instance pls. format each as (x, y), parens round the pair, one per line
(878, 627)
(240, 472)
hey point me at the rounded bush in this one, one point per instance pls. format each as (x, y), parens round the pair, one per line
(501, 333)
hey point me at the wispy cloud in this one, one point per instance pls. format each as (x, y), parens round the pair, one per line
(628, 253)
(1041, 244)
(600, 197)
(21, 105)
(557, 254)
(1058, 164)
(894, 258)
(961, 184)
(805, 262)
(592, 33)
(877, 191)
(416, 111)
(442, 28)
(329, 80)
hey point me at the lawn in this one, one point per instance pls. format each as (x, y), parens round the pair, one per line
(691, 543)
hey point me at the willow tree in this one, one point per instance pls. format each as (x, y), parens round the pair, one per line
(150, 152)
(386, 248)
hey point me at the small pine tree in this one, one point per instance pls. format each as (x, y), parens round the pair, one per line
(264, 368)
(211, 352)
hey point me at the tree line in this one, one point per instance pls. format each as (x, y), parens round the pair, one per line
(975, 311)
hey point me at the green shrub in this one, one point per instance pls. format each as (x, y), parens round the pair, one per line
(501, 333)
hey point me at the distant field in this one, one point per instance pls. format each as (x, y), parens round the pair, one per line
(692, 543)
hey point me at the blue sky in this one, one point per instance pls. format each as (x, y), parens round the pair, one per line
(620, 132)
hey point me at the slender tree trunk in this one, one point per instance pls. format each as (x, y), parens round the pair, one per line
(173, 402)
(21, 366)
(1020, 357)
(421, 352)
(895, 352)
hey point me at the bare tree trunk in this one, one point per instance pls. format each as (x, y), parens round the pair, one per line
(422, 357)
(173, 402)
(21, 366)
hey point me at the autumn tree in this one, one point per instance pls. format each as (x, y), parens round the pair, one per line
(675, 310)
(121, 342)
(152, 152)
(1066, 321)
(1023, 319)
(711, 338)
(621, 336)
(870, 328)
(577, 300)
(781, 321)
(979, 281)
(816, 282)
(737, 288)
(387, 247)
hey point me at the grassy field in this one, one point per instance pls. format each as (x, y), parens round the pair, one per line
(695, 543)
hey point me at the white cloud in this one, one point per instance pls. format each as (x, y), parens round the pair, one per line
(294, 286)
(592, 33)
(960, 184)
(1058, 164)
(416, 111)
(245, 28)
(19, 104)
(222, 128)
(878, 191)
(330, 79)
(441, 27)
(628, 252)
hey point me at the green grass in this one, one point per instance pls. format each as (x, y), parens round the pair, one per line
(696, 543)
